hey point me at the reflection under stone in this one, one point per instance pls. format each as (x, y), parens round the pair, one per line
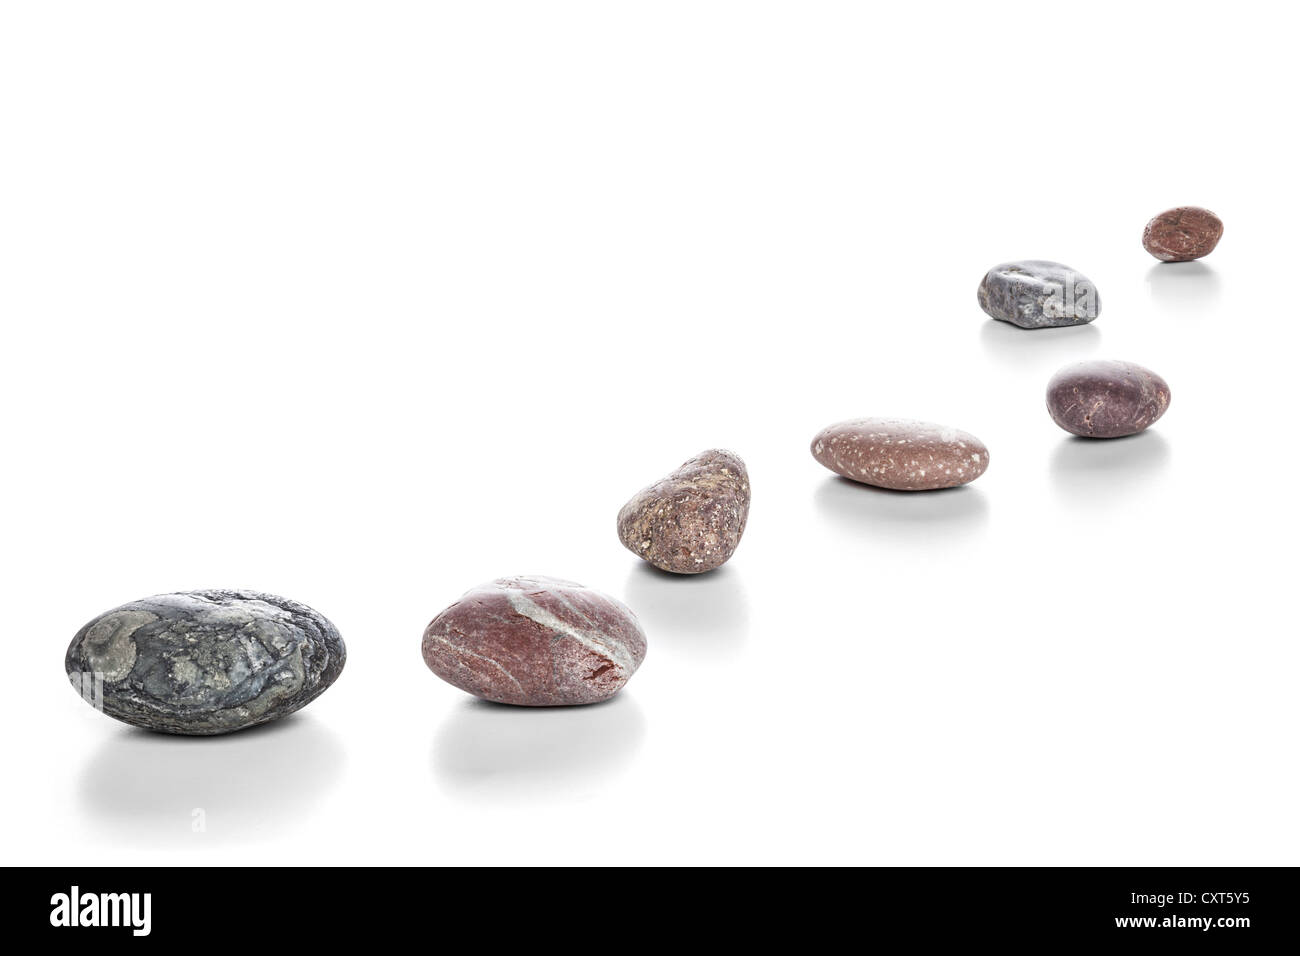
(1090, 469)
(166, 788)
(703, 614)
(509, 753)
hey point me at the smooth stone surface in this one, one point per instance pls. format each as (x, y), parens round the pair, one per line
(901, 454)
(692, 520)
(206, 662)
(1106, 399)
(1182, 234)
(1038, 294)
(535, 641)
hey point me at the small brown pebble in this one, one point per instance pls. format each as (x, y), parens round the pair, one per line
(1106, 399)
(535, 641)
(691, 521)
(900, 454)
(1182, 234)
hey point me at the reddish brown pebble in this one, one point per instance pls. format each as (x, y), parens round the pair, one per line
(900, 454)
(535, 641)
(1106, 399)
(1182, 234)
(692, 520)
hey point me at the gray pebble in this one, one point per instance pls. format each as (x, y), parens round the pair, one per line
(1037, 294)
(205, 662)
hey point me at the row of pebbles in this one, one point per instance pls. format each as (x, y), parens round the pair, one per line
(212, 662)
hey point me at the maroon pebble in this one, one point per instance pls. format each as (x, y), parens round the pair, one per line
(1106, 399)
(535, 641)
(1182, 234)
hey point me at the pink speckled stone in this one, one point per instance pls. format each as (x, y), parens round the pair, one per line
(535, 641)
(692, 520)
(901, 454)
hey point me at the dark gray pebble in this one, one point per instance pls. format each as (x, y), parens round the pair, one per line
(205, 662)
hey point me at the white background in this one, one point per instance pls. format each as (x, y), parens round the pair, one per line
(364, 304)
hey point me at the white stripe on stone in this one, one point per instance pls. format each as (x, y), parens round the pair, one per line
(593, 641)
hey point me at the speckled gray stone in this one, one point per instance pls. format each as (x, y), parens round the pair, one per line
(1038, 294)
(205, 662)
